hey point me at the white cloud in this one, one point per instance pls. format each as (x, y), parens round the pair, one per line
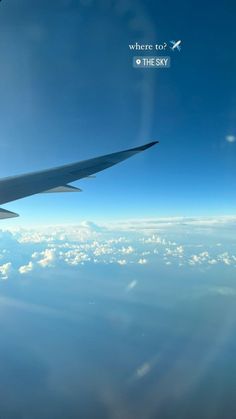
(154, 239)
(35, 255)
(179, 249)
(75, 257)
(122, 262)
(212, 262)
(142, 261)
(224, 257)
(103, 249)
(150, 227)
(132, 285)
(230, 138)
(227, 259)
(5, 270)
(26, 268)
(199, 259)
(143, 370)
(124, 243)
(34, 237)
(127, 250)
(224, 291)
(48, 258)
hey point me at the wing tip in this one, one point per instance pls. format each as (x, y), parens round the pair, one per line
(148, 145)
(145, 146)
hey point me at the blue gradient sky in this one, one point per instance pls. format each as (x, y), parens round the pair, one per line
(68, 92)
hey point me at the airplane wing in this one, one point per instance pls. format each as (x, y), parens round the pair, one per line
(58, 178)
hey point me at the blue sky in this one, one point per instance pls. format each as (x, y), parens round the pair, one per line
(150, 281)
(101, 318)
(68, 92)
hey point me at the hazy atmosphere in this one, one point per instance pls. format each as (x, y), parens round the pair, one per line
(119, 302)
(119, 321)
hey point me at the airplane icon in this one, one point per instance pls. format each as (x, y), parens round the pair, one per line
(175, 44)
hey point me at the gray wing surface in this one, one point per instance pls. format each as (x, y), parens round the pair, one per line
(58, 178)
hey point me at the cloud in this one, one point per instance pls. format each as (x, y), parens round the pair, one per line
(127, 250)
(122, 262)
(48, 258)
(142, 261)
(230, 138)
(5, 270)
(154, 239)
(199, 258)
(89, 225)
(81, 232)
(154, 225)
(74, 257)
(143, 370)
(190, 242)
(102, 249)
(175, 251)
(224, 291)
(34, 237)
(226, 259)
(132, 285)
(24, 269)
(212, 262)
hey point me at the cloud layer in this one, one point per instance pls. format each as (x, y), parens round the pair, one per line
(180, 242)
